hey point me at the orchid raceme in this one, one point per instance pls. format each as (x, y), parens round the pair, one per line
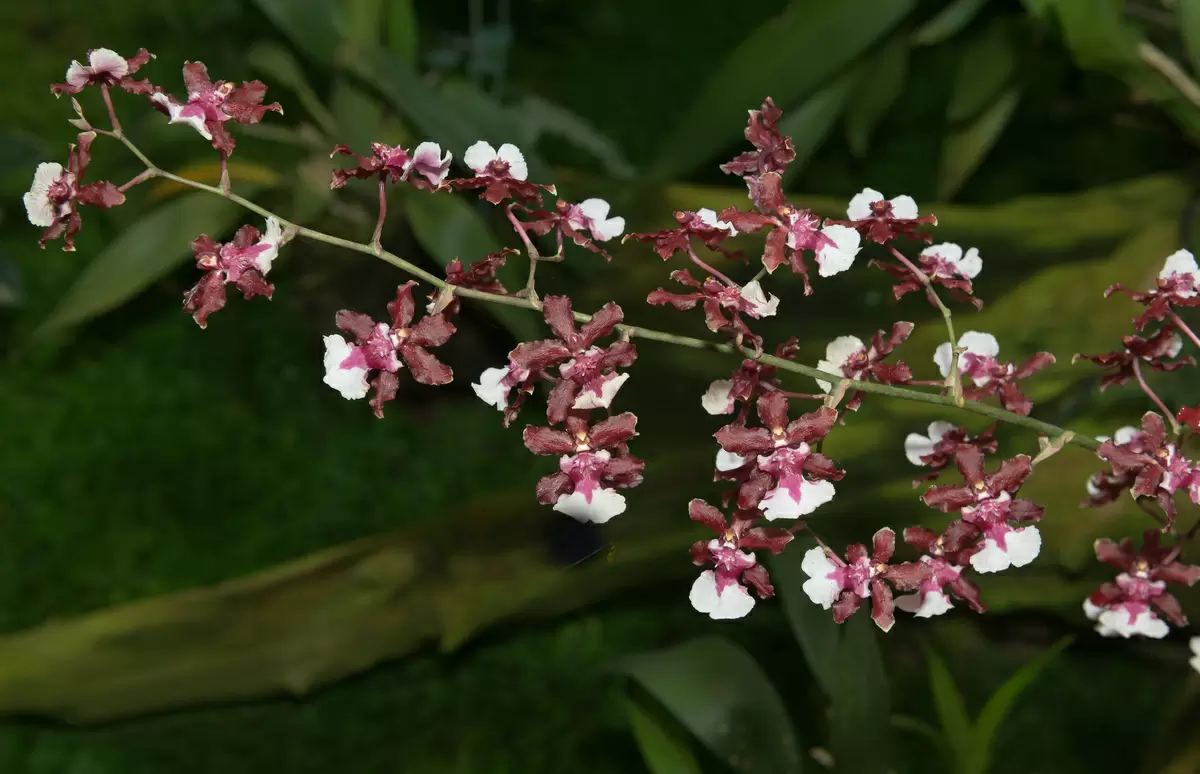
(775, 461)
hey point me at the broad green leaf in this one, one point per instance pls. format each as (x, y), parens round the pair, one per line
(861, 707)
(1188, 12)
(1101, 39)
(785, 58)
(951, 711)
(948, 22)
(282, 69)
(1096, 33)
(663, 750)
(810, 124)
(881, 84)
(964, 149)
(717, 691)
(448, 228)
(986, 66)
(1001, 703)
(315, 26)
(364, 20)
(541, 117)
(359, 117)
(402, 31)
(812, 626)
(143, 253)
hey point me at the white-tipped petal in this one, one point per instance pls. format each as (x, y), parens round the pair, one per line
(732, 602)
(860, 204)
(819, 587)
(602, 506)
(350, 382)
(38, 207)
(489, 387)
(517, 169)
(479, 155)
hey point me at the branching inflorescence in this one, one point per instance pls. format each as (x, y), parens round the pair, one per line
(771, 454)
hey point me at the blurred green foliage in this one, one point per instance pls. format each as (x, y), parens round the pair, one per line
(143, 457)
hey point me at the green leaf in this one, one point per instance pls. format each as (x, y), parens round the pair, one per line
(1001, 702)
(448, 228)
(402, 31)
(785, 58)
(143, 253)
(1096, 32)
(364, 19)
(359, 116)
(278, 64)
(948, 22)
(812, 626)
(881, 84)
(663, 750)
(861, 706)
(809, 124)
(952, 712)
(963, 150)
(315, 26)
(1188, 12)
(717, 691)
(985, 67)
(542, 117)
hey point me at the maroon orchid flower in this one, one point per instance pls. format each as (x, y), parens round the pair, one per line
(1158, 352)
(944, 265)
(1178, 286)
(850, 357)
(792, 231)
(750, 380)
(787, 478)
(1132, 604)
(426, 168)
(243, 262)
(702, 224)
(978, 362)
(772, 150)
(1157, 467)
(586, 377)
(720, 592)
(723, 304)
(589, 470)
(986, 502)
(844, 584)
(937, 450)
(881, 220)
(946, 555)
(501, 174)
(53, 200)
(571, 221)
(1105, 487)
(210, 105)
(105, 68)
(480, 275)
(386, 348)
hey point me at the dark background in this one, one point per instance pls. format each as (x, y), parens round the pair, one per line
(142, 456)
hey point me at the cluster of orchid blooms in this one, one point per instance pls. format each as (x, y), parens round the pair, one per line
(772, 463)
